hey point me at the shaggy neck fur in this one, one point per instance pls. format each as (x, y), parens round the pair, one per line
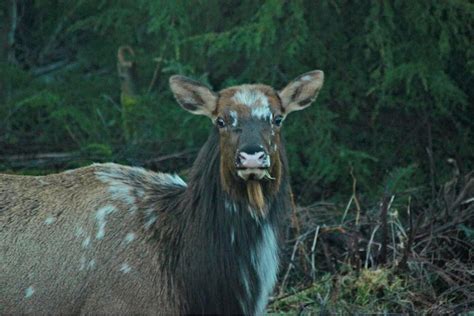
(229, 257)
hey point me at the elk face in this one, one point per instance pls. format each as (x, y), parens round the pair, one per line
(249, 119)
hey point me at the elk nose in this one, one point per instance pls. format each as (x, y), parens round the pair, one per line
(257, 159)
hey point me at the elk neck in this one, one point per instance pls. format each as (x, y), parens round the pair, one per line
(229, 256)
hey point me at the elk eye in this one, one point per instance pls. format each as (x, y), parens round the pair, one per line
(278, 120)
(220, 122)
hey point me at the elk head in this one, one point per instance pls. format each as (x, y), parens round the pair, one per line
(249, 120)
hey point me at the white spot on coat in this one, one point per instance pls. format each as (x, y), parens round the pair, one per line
(101, 217)
(247, 294)
(29, 292)
(82, 263)
(122, 192)
(91, 264)
(150, 218)
(254, 214)
(115, 177)
(129, 238)
(79, 231)
(230, 206)
(265, 261)
(125, 268)
(86, 265)
(127, 184)
(49, 220)
(86, 242)
(178, 181)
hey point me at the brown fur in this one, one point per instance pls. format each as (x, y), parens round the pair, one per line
(110, 239)
(41, 217)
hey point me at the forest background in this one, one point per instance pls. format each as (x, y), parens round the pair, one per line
(381, 164)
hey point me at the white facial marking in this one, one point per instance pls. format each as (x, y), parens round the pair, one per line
(29, 292)
(262, 113)
(86, 242)
(256, 100)
(235, 118)
(129, 238)
(125, 268)
(100, 217)
(49, 220)
(265, 261)
(250, 97)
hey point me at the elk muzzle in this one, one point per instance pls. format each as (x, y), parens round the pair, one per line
(252, 163)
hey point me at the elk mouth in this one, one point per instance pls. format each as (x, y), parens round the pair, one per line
(254, 174)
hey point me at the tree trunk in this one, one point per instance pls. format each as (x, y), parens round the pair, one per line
(127, 72)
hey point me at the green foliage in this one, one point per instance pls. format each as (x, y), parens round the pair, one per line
(397, 102)
(366, 292)
(398, 78)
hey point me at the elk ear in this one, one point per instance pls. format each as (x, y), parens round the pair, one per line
(193, 96)
(302, 91)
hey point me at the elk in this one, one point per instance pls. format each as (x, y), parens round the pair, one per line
(114, 239)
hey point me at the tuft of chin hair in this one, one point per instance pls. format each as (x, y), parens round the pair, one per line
(255, 196)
